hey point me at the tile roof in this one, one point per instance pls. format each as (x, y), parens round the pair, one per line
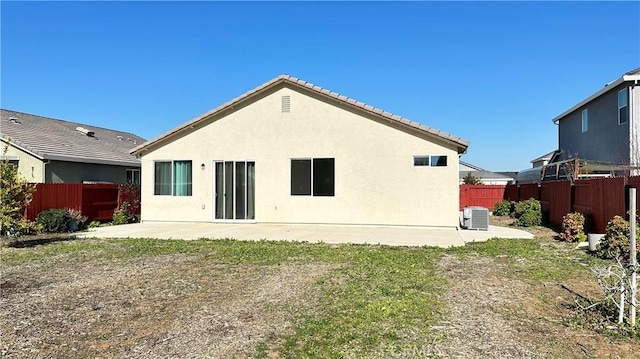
(293, 81)
(48, 138)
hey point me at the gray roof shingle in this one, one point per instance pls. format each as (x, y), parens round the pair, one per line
(48, 138)
(288, 80)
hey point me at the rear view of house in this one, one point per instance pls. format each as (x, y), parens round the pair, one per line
(292, 152)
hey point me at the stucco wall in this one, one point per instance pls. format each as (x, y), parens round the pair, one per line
(31, 168)
(605, 140)
(375, 179)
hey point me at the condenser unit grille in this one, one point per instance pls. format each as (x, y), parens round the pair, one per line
(476, 218)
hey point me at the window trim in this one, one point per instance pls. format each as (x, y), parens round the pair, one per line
(172, 181)
(419, 161)
(134, 170)
(626, 91)
(585, 120)
(312, 184)
(430, 161)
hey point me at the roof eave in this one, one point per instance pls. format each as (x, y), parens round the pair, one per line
(602, 91)
(17, 144)
(461, 145)
(99, 161)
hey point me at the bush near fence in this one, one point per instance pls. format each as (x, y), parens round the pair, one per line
(96, 201)
(599, 198)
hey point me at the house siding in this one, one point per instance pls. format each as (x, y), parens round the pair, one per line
(76, 172)
(605, 140)
(375, 179)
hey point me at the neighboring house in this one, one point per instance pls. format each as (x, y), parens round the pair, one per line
(542, 160)
(56, 151)
(292, 152)
(486, 177)
(605, 127)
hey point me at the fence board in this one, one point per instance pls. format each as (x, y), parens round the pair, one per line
(511, 192)
(481, 195)
(529, 190)
(96, 201)
(54, 195)
(555, 199)
(99, 201)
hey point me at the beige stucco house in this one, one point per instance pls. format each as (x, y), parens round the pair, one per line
(292, 152)
(48, 150)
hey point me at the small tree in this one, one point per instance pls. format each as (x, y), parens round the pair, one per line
(16, 194)
(471, 179)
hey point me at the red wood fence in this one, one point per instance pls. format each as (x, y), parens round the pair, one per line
(96, 201)
(481, 195)
(599, 198)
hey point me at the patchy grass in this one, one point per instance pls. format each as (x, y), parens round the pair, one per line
(237, 299)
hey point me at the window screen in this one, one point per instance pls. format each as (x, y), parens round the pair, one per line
(300, 177)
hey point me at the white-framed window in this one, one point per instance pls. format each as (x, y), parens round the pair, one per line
(313, 177)
(172, 178)
(623, 108)
(133, 176)
(585, 120)
(430, 161)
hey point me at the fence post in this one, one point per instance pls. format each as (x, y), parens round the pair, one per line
(632, 256)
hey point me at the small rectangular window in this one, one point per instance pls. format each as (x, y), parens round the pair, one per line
(623, 109)
(323, 176)
(421, 160)
(438, 161)
(182, 175)
(172, 178)
(300, 177)
(313, 177)
(133, 176)
(162, 179)
(585, 120)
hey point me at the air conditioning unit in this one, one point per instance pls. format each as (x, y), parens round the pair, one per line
(475, 218)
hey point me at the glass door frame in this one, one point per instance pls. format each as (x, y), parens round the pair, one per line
(233, 189)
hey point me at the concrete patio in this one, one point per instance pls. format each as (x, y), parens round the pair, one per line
(333, 234)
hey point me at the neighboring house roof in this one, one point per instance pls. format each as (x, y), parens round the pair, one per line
(633, 75)
(481, 173)
(287, 80)
(545, 157)
(51, 139)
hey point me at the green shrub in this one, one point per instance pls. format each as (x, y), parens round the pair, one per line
(615, 243)
(503, 208)
(573, 227)
(528, 213)
(54, 220)
(94, 224)
(122, 214)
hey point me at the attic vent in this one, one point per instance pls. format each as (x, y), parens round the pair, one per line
(85, 131)
(120, 138)
(286, 104)
(14, 121)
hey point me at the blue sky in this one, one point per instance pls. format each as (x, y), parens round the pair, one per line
(493, 73)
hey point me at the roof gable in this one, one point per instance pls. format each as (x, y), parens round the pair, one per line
(52, 139)
(633, 75)
(287, 80)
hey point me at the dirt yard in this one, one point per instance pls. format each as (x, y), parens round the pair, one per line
(158, 307)
(81, 304)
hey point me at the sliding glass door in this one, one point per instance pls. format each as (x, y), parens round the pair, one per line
(234, 190)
